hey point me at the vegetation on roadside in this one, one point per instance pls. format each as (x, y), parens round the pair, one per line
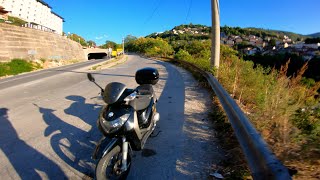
(283, 105)
(111, 44)
(150, 47)
(77, 38)
(17, 66)
(16, 21)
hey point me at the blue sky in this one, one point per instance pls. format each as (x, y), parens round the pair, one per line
(102, 20)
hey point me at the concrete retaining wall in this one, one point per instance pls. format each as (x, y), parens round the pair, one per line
(31, 44)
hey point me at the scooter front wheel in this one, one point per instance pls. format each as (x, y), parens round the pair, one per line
(109, 166)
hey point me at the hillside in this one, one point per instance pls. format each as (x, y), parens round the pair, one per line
(184, 32)
(314, 35)
(278, 33)
(191, 31)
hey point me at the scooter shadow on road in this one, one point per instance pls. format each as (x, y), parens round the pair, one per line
(72, 144)
(25, 159)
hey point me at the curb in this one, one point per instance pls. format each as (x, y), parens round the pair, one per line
(108, 64)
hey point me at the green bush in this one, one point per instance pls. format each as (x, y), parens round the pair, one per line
(308, 121)
(183, 55)
(16, 66)
(151, 47)
(16, 21)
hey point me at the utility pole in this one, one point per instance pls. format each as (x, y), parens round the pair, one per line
(215, 32)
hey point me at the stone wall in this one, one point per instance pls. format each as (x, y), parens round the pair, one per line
(31, 44)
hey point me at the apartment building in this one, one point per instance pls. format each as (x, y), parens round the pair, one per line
(35, 12)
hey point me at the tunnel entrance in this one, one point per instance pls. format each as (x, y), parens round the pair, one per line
(97, 56)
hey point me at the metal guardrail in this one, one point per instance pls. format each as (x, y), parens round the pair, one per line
(262, 162)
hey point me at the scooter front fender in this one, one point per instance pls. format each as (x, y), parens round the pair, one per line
(104, 146)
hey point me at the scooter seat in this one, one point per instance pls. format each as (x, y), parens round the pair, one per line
(145, 89)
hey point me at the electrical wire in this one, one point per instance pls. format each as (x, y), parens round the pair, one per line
(190, 4)
(153, 12)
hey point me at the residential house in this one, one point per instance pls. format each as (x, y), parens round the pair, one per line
(230, 42)
(265, 44)
(252, 37)
(181, 31)
(298, 45)
(223, 35)
(35, 12)
(250, 51)
(312, 46)
(238, 40)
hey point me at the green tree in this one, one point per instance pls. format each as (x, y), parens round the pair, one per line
(183, 55)
(128, 42)
(195, 47)
(272, 42)
(91, 43)
(312, 40)
(109, 44)
(78, 39)
(129, 38)
(152, 47)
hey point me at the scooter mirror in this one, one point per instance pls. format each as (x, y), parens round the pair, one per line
(90, 77)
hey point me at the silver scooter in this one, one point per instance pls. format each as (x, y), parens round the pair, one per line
(126, 122)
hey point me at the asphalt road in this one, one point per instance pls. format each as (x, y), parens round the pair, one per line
(48, 125)
(23, 78)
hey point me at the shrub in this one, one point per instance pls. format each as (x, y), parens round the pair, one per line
(183, 55)
(16, 21)
(16, 66)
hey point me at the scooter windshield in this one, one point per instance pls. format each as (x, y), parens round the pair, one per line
(113, 92)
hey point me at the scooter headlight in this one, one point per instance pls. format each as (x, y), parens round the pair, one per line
(114, 125)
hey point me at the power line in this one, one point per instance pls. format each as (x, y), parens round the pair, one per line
(153, 12)
(190, 4)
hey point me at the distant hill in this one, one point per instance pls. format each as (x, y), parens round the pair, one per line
(197, 31)
(184, 32)
(280, 34)
(314, 35)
